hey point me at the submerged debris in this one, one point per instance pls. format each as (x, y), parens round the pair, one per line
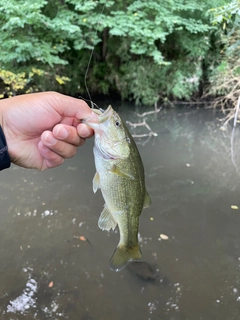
(164, 236)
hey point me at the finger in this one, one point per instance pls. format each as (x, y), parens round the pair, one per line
(67, 134)
(69, 107)
(84, 131)
(62, 148)
(51, 159)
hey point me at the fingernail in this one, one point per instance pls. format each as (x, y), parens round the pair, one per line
(50, 140)
(62, 133)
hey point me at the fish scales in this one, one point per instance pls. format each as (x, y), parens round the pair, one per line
(119, 192)
(120, 176)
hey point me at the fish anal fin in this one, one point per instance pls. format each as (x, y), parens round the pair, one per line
(121, 172)
(122, 255)
(147, 200)
(96, 182)
(106, 220)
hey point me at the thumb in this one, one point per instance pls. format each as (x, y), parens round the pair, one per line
(67, 106)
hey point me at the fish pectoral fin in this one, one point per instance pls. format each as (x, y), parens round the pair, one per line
(106, 220)
(122, 255)
(147, 200)
(96, 182)
(121, 172)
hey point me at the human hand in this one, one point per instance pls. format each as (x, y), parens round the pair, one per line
(42, 129)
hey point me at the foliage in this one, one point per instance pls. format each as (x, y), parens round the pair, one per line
(143, 50)
(225, 13)
(155, 49)
(225, 78)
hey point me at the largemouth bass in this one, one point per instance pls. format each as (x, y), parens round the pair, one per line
(120, 176)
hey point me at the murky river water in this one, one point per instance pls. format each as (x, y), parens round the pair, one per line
(192, 176)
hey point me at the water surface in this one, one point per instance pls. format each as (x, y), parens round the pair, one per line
(192, 175)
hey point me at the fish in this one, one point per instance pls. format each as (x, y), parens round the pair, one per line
(120, 177)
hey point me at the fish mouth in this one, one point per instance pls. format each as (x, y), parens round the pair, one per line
(92, 121)
(103, 115)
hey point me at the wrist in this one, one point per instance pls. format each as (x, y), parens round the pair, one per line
(1, 113)
(5, 160)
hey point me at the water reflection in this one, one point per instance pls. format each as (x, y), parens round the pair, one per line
(48, 271)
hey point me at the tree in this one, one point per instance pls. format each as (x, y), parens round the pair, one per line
(144, 51)
(225, 77)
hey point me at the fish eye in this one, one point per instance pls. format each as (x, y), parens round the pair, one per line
(117, 123)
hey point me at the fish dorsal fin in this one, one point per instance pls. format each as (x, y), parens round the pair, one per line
(106, 220)
(122, 173)
(96, 182)
(147, 200)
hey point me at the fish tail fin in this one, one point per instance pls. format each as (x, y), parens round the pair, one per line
(122, 255)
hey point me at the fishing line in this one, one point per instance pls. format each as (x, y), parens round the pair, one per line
(87, 100)
(89, 62)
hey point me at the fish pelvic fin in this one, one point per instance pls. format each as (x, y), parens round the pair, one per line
(147, 200)
(122, 255)
(106, 220)
(96, 182)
